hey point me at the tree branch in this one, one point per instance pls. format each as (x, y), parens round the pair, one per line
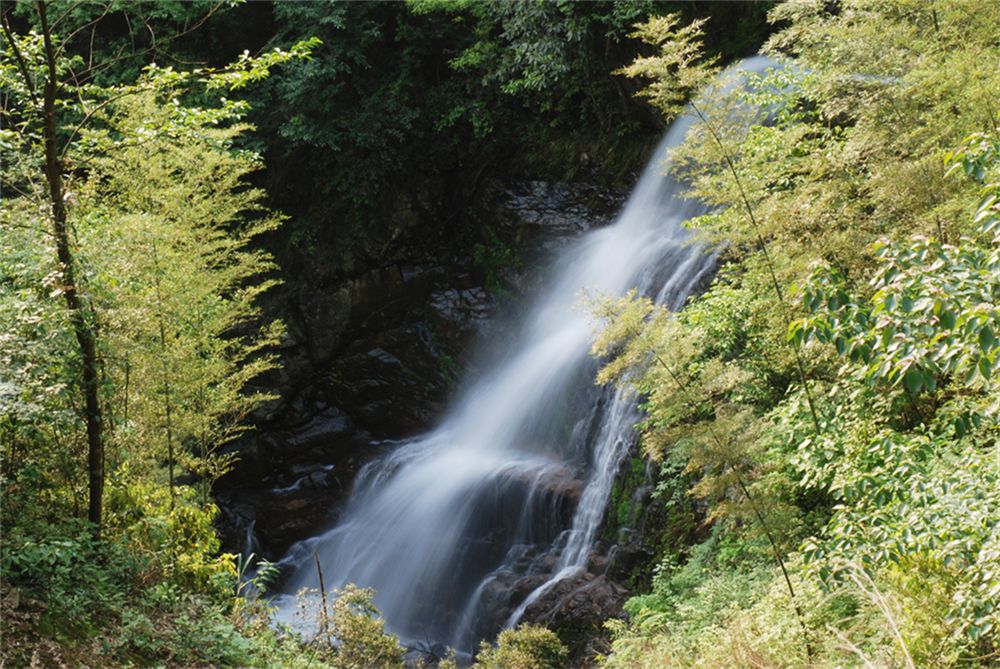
(21, 65)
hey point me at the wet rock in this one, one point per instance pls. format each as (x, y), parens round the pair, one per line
(629, 554)
(323, 318)
(584, 599)
(546, 217)
(561, 483)
(467, 308)
(576, 609)
(322, 428)
(562, 209)
(384, 357)
(371, 354)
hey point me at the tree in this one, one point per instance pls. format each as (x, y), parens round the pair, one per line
(64, 128)
(81, 318)
(679, 72)
(171, 230)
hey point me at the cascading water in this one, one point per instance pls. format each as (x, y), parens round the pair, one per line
(524, 462)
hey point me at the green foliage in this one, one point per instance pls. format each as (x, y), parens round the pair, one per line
(930, 318)
(362, 642)
(65, 566)
(37, 424)
(621, 507)
(367, 135)
(161, 220)
(123, 602)
(105, 36)
(678, 70)
(493, 257)
(450, 368)
(351, 629)
(177, 539)
(408, 111)
(183, 363)
(537, 39)
(675, 586)
(918, 491)
(841, 192)
(527, 647)
(542, 53)
(695, 410)
(978, 156)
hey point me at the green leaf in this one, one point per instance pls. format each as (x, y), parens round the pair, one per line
(986, 339)
(913, 380)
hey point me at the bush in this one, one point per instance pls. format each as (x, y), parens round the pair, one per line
(81, 579)
(527, 647)
(350, 629)
(363, 642)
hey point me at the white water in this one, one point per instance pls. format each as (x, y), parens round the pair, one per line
(433, 524)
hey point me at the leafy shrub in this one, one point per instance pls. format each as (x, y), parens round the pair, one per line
(180, 539)
(362, 642)
(893, 470)
(527, 647)
(350, 629)
(81, 579)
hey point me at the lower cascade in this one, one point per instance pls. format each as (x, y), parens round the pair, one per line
(515, 480)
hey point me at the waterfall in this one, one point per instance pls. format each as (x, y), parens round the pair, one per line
(523, 463)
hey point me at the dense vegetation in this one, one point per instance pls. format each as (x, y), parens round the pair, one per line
(824, 418)
(384, 144)
(831, 399)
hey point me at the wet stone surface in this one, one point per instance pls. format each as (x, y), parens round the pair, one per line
(373, 359)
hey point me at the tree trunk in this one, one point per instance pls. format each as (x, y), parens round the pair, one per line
(166, 375)
(84, 333)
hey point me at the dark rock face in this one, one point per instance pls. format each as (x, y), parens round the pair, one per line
(372, 359)
(576, 607)
(560, 211)
(353, 379)
(576, 610)
(581, 602)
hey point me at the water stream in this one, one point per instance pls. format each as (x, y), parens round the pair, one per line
(523, 464)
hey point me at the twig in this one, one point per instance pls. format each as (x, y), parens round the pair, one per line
(324, 620)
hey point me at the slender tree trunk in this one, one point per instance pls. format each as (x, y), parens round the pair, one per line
(762, 245)
(206, 451)
(84, 332)
(128, 372)
(757, 511)
(166, 376)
